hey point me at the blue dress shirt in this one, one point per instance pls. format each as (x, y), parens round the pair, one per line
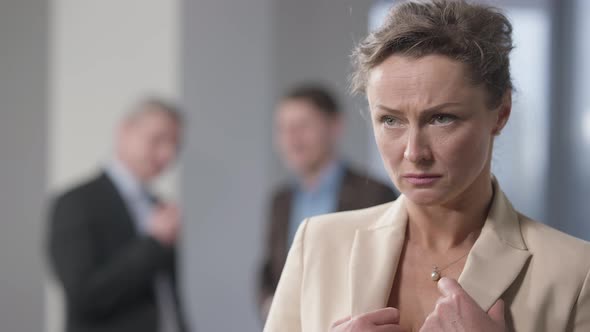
(321, 199)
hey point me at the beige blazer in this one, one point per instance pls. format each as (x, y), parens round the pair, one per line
(344, 264)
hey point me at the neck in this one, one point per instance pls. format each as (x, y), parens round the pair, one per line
(129, 167)
(312, 176)
(454, 224)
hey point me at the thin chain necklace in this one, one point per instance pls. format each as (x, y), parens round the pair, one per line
(435, 275)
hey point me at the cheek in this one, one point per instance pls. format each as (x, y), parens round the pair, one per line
(312, 141)
(391, 147)
(295, 137)
(282, 141)
(139, 148)
(287, 142)
(166, 151)
(465, 152)
(314, 135)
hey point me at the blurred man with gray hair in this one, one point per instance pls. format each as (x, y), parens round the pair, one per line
(112, 242)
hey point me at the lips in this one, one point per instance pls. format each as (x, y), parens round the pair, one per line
(421, 179)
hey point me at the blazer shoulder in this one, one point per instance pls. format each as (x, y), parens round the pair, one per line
(81, 192)
(534, 230)
(555, 248)
(344, 224)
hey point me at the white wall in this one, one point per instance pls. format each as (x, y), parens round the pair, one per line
(105, 55)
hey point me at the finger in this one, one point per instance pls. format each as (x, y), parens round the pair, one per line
(164, 205)
(172, 213)
(159, 208)
(446, 312)
(170, 208)
(175, 211)
(389, 328)
(496, 313)
(448, 286)
(174, 208)
(431, 324)
(341, 321)
(383, 316)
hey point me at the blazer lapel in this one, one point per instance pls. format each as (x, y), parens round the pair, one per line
(373, 263)
(497, 256)
(121, 217)
(496, 259)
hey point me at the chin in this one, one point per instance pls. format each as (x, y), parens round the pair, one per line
(152, 174)
(302, 167)
(425, 197)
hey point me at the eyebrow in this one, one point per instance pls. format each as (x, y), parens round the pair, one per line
(429, 110)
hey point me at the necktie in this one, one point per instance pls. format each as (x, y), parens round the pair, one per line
(144, 208)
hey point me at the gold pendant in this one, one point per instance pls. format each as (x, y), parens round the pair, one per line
(435, 275)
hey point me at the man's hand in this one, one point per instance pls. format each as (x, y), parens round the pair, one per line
(382, 320)
(456, 311)
(165, 224)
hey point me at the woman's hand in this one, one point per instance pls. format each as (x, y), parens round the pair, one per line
(382, 320)
(456, 311)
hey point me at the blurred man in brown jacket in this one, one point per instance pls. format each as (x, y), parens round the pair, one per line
(308, 127)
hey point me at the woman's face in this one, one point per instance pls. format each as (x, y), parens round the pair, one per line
(433, 127)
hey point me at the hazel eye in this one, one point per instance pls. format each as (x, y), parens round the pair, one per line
(390, 121)
(443, 119)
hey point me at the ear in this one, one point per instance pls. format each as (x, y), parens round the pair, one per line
(503, 114)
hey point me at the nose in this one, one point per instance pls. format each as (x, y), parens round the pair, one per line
(417, 146)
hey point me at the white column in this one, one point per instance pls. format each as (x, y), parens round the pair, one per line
(105, 56)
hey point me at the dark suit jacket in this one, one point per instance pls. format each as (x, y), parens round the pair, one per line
(106, 268)
(357, 191)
